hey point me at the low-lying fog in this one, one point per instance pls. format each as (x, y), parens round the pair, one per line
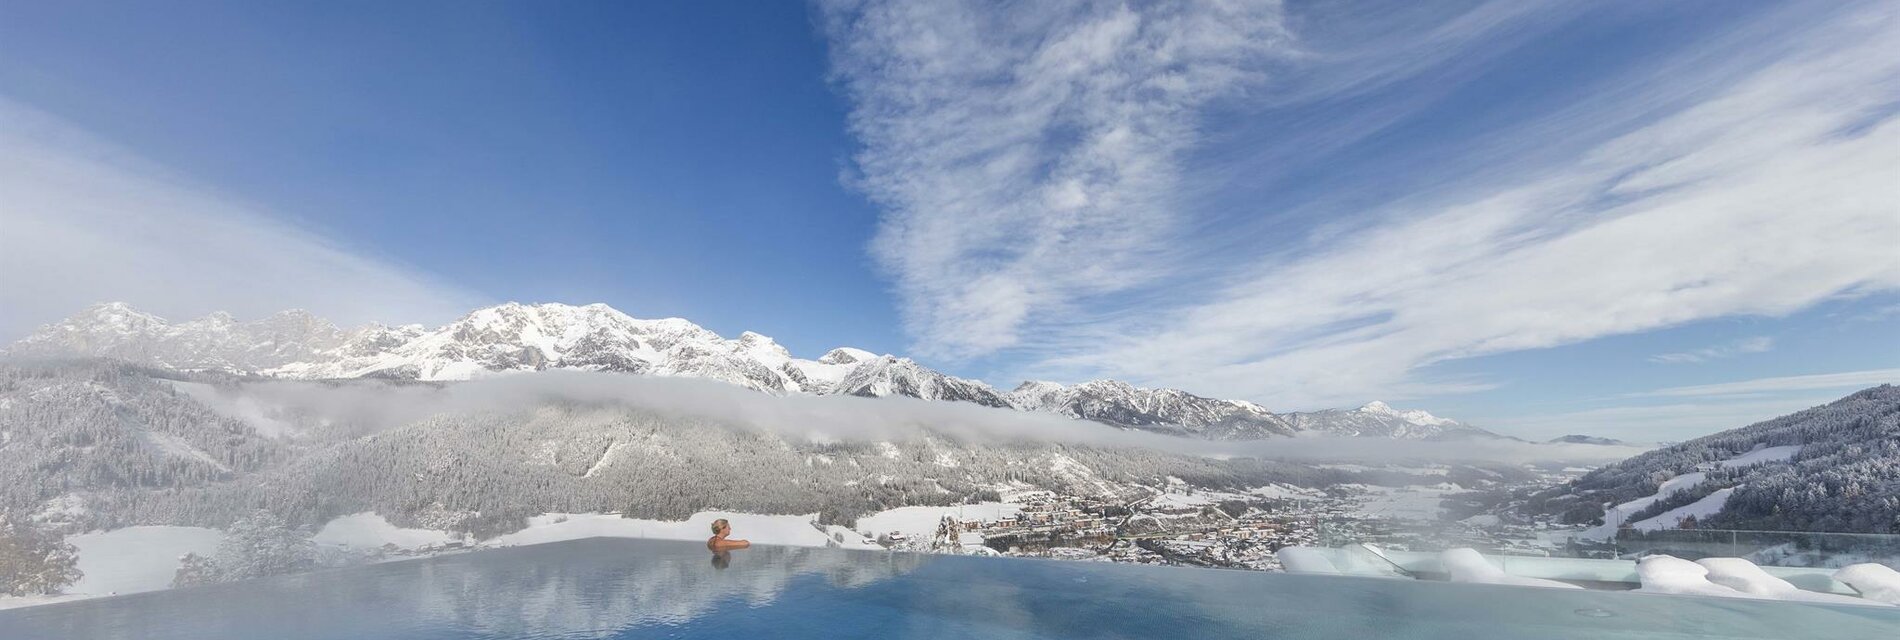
(375, 405)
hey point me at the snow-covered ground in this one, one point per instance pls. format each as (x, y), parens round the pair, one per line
(1762, 455)
(371, 531)
(137, 559)
(922, 521)
(1615, 516)
(128, 560)
(1709, 505)
(1284, 491)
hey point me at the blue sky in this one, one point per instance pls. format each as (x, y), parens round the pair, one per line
(1544, 218)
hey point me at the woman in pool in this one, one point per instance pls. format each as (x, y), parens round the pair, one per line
(720, 542)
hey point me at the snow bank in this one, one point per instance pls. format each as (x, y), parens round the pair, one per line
(368, 531)
(1467, 565)
(1673, 575)
(760, 529)
(1742, 575)
(1876, 582)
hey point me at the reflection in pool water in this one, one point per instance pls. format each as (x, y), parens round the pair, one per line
(617, 588)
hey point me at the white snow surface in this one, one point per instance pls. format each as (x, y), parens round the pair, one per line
(136, 559)
(1761, 456)
(1877, 582)
(922, 521)
(368, 531)
(1467, 565)
(1707, 506)
(1744, 576)
(1673, 575)
(1415, 416)
(1615, 516)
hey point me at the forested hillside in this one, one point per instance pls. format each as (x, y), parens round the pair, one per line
(96, 444)
(1844, 476)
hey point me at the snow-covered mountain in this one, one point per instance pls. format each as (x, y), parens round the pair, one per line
(893, 376)
(1378, 419)
(1583, 439)
(1834, 467)
(215, 342)
(1165, 410)
(596, 337)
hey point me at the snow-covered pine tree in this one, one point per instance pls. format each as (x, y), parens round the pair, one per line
(194, 569)
(261, 545)
(34, 561)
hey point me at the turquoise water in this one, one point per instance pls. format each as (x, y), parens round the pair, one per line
(614, 588)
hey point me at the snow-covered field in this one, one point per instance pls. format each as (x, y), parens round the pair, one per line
(371, 531)
(1762, 455)
(922, 521)
(128, 560)
(1709, 505)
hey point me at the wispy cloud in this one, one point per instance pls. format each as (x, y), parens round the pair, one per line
(1660, 422)
(1772, 192)
(1756, 344)
(1027, 155)
(1784, 384)
(82, 221)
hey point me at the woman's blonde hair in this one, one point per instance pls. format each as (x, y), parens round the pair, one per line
(718, 524)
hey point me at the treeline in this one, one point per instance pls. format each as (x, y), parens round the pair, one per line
(90, 426)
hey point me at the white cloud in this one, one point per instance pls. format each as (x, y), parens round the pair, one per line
(83, 222)
(1784, 384)
(1027, 154)
(1658, 423)
(1768, 196)
(374, 405)
(1757, 344)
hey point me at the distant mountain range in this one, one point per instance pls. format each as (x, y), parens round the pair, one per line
(1579, 439)
(596, 337)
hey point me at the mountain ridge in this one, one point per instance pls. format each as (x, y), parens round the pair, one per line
(596, 337)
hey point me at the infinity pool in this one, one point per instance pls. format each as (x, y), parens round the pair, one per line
(618, 588)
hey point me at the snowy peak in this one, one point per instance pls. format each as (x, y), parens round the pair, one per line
(1165, 410)
(214, 342)
(596, 337)
(1415, 416)
(846, 355)
(893, 376)
(1381, 420)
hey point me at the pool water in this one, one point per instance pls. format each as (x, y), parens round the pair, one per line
(619, 588)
